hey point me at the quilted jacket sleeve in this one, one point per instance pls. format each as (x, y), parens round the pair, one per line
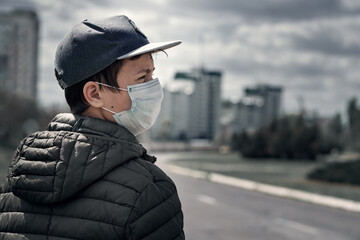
(157, 214)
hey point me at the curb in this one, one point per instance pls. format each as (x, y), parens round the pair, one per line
(314, 198)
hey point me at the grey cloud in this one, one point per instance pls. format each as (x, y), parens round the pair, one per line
(357, 86)
(267, 10)
(306, 70)
(254, 10)
(301, 9)
(9, 4)
(326, 43)
(55, 34)
(309, 85)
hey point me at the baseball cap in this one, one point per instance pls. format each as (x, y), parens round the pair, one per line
(93, 45)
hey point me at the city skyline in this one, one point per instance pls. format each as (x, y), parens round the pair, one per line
(310, 48)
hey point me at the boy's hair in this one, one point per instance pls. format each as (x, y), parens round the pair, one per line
(74, 94)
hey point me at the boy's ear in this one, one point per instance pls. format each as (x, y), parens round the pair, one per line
(92, 94)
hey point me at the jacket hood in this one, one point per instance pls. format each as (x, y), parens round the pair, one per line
(51, 166)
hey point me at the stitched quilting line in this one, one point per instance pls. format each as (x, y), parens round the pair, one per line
(137, 199)
(30, 190)
(132, 170)
(74, 217)
(170, 219)
(67, 124)
(107, 180)
(67, 167)
(179, 235)
(86, 163)
(36, 160)
(35, 175)
(107, 201)
(49, 224)
(11, 233)
(160, 203)
(103, 165)
(111, 139)
(93, 198)
(131, 212)
(165, 200)
(38, 141)
(164, 223)
(57, 162)
(64, 134)
(15, 159)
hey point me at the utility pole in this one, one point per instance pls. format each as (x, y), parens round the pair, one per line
(201, 50)
(300, 101)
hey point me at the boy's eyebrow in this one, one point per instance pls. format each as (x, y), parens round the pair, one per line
(147, 70)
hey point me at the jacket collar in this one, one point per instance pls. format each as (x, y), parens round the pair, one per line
(89, 125)
(97, 127)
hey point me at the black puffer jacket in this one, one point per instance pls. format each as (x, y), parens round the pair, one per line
(86, 178)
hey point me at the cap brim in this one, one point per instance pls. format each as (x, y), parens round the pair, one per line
(151, 47)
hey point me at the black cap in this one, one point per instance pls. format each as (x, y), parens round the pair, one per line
(95, 44)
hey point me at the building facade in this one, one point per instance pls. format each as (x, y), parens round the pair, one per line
(259, 107)
(248, 114)
(191, 106)
(19, 35)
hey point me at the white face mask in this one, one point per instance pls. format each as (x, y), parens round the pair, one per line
(146, 101)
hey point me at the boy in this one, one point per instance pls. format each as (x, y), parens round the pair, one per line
(87, 177)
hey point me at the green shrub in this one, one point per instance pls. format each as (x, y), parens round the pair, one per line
(344, 172)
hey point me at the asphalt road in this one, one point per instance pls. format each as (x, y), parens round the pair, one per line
(217, 212)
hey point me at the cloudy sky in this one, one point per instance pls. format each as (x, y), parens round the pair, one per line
(309, 47)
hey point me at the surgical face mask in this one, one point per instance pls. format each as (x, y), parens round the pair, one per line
(146, 101)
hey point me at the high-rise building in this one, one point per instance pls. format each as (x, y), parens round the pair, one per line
(259, 107)
(173, 122)
(271, 96)
(248, 113)
(19, 34)
(191, 106)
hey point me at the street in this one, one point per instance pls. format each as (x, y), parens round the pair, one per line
(214, 211)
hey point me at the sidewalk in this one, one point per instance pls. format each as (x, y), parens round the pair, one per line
(280, 178)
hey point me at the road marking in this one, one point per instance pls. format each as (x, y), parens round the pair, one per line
(188, 172)
(314, 198)
(297, 226)
(206, 199)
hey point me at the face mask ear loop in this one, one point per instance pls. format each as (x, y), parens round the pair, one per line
(108, 110)
(106, 85)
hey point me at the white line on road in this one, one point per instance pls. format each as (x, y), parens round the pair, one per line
(297, 226)
(206, 199)
(329, 201)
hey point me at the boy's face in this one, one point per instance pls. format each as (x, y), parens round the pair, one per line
(132, 72)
